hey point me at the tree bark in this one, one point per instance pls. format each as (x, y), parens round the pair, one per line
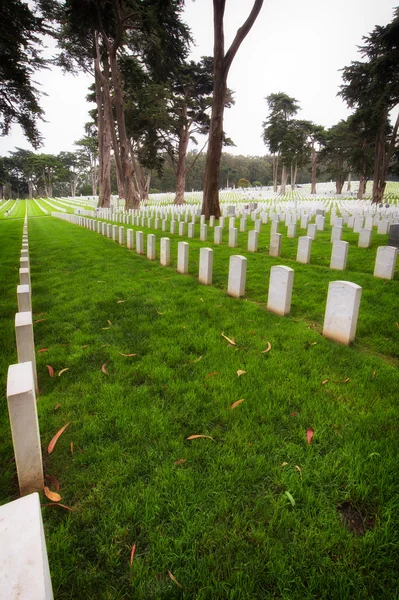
(221, 66)
(101, 81)
(275, 173)
(181, 161)
(382, 157)
(348, 187)
(362, 187)
(283, 179)
(339, 184)
(314, 169)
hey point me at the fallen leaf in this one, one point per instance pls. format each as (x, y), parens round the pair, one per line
(236, 403)
(121, 353)
(159, 312)
(313, 343)
(50, 370)
(324, 381)
(309, 435)
(63, 371)
(109, 322)
(284, 464)
(55, 438)
(173, 578)
(373, 374)
(53, 496)
(39, 321)
(87, 345)
(212, 374)
(101, 282)
(290, 498)
(240, 372)
(79, 448)
(231, 341)
(132, 554)
(180, 461)
(397, 324)
(54, 481)
(195, 437)
(55, 504)
(105, 328)
(72, 448)
(103, 369)
(294, 414)
(57, 406)
(42, 350)
(202, 300)
(299, 470)
(344, 381)
(269, 347)
(197, 359)
(120, 301)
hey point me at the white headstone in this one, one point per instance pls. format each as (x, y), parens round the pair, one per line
(139, 242)
(275, 244)
(339, 255)
(233, 237)
(22, 411)
(342, 311)
(165, 252)
(304, 249)
(203, 232)
(114, 232)
(121, 235)
(243, 225)
(253, 241)
(218, 234)
(130, 238)
(385, 262)
(365, 238)
(25, 341)
(237, 276)
(383, 227)
(291, 231)
(24, 299)
(182, 228)
(190, 230)
(205, 266)
(336, 233)
(280, 290)
(182, 257)
(311, 232)
(151, 241)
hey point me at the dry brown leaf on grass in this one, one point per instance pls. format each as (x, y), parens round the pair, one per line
(72, 448)
(237, 403)
(39, 321)
(109, 322)
(56, 504)
(53, 496)
(103, 369)
(173, 578)
(181, 461)
(197, 359)
(231, 341)
(86, 346)
(196, 436)
(54, 481)
(105, 328)
(324, 381)
(56, 437)
(121, 301)
(101, 282)
(309, 435)
(63, 371)
(121, 353)
(299, 470)
(344, 381)
(269, 347)
(397, 324)
(240, 372)
(42, 350)
(50, 370)
(284, 464)
(373, 374)
(212, 374)
(132, 554)
(57, 406)
(160, 313)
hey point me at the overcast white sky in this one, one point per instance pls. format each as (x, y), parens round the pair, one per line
(294, 47)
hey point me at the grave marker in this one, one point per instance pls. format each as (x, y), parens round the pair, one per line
(280, 290)
(237, 276)
(342, 311)
(205, 266)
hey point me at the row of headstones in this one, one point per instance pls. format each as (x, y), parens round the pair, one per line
(343, 299)
(24, 568)
(384, 267)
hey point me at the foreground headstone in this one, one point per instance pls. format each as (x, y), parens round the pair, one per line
(151, 241)
(205, 266)
(130, 239)
(24, 298)
(342, 311)
(182, 257)
(280, 290)
(385, 262)
(165, 252)
(25, 341)
(139, 242)
(24, 276)
(24, 568)
(304, 249)
(253, 241)
(339, 255)
(237, 276)
(21, 399)
(275, 244)
(365, 238)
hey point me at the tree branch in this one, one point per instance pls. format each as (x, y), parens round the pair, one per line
(240, 35)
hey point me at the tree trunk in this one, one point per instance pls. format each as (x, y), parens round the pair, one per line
(275, 173)
(30, 188)
(184, 137)
(283, 179)
(348, 187)
(339, 184)
(104, 132)
(221, 67)
(362, 187)
(382, 157)
(314, 170)
(292, 177)
(132, 199)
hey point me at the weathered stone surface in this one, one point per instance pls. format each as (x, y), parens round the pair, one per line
(339, 255)
(24, 568)
(383, 227)
(275, 244)
(139, 242)
(182, 257)
(22, 411)
(365, 238)
(237, 276)
(165, 252)
(130, 239)
(280, 290)
(206, 266)
(385, 262)
(151, 241)
(182, 229)
(312, 229)
(24, 298)
(304, 249)
(291, 230)
(336, 233)
(342, 311)
(121, 235)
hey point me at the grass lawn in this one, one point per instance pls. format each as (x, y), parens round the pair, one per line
(253, 512)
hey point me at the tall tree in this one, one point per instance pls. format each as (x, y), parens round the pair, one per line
(276, 133)
(373, 87)
(221, 65)
(337, 152)
(20, 50)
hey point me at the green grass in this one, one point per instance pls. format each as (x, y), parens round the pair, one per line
(221, 522)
